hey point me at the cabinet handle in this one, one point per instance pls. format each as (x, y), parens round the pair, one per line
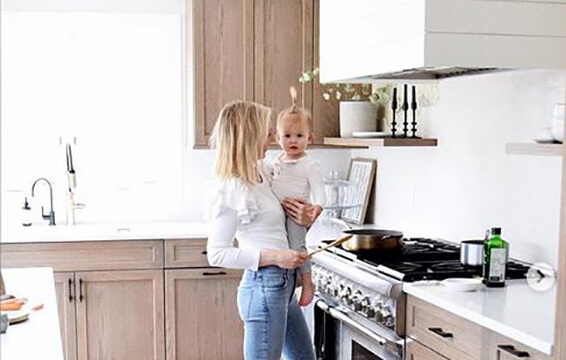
(70, 283)
(511, 350)
(81, 297)
(214, 273)
(204, 252)
(440, 332)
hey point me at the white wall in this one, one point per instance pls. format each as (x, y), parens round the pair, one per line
(112, 74)
(468, 183)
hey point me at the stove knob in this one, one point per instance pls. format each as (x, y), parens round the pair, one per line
(385, 315)
(366, 308)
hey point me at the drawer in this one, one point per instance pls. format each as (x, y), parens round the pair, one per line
(417, 351)
(183, 253)
(503, 348)
(446, 333)
(85, 255)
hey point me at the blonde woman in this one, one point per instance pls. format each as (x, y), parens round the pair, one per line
(247, 209)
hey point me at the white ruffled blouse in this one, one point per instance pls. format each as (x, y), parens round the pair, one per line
(251, 214)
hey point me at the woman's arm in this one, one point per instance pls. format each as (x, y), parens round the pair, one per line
(221, 251)
(220, 246)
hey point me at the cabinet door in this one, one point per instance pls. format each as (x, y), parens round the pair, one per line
(416, 351)
(223, 55)
(202, 314)
(283, 50)
(65, 289)
(120, 315)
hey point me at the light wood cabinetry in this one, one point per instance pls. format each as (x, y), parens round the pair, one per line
(447, 334)
(255, 50)
(185, 253)
(202, 315)
(416, 351)
(146, 299)
(120, 315)
(455, 338)
(85, 255)
(502, 348)
(283, 49)
(223, 56)
(64, 288)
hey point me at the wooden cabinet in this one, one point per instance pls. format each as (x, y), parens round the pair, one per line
(447, 334)
(502, 348)
(202, 314)
(416, 351)
(255, 50)
(65, 290)
(454, 338)
(139, 299)
(283, 49)
(223, 57)
(120, 315)
(111, 314)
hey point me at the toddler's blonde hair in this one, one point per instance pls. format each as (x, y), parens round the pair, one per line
(239, 136)
(294, 109)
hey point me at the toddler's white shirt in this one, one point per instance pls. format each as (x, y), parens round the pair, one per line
(300, 178)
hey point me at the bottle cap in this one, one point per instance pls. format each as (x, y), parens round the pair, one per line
(495, 231)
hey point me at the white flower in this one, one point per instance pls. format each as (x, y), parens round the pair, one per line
(326, 96)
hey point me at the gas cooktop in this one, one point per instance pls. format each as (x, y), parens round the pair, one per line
(423, 259)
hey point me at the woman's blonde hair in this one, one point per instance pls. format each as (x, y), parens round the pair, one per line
(239, 136)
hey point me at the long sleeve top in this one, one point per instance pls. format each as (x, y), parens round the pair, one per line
(252, 215)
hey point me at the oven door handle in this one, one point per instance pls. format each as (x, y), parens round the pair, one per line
(339, 315)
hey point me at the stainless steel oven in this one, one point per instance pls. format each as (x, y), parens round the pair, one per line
(342, 334)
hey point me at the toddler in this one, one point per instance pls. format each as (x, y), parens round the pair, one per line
(297, 175)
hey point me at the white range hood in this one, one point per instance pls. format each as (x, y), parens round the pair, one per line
(373, 40)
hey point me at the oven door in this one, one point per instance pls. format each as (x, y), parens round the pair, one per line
(339, 336)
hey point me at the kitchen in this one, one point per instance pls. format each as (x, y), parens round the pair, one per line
(152, 198)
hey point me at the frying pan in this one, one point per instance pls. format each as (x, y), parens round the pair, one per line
(373, 239)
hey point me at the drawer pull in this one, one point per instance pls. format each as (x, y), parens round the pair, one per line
(70, 283)
(204, 252)
(214, 273)
(81, 297)
(511, 350)
(439, 332)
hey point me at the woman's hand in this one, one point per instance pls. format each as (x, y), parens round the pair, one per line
(286, 259)
(300, 211)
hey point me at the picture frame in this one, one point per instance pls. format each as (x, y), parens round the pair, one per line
(362, 174)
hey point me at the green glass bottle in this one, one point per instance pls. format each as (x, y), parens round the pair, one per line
(496, 252)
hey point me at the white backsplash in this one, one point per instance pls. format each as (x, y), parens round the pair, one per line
(468, 183)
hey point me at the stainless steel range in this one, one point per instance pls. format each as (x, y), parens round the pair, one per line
(360, 304)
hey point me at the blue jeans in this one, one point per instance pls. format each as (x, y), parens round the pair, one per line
(273, 320)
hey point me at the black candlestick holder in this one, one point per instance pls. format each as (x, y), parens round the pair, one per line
(405, 108)
(414, 112)
(394, 111)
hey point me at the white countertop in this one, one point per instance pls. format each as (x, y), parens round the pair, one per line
(101, 232)
(516, 310)
(39, 337)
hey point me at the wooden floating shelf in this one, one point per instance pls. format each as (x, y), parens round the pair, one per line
(387, 142)
(534, 149)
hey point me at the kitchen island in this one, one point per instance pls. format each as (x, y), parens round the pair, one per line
(515, 311)
(39, 337)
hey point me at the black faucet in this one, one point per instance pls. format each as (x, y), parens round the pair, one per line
(51, 215)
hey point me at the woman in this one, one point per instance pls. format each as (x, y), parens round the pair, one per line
(247, 209)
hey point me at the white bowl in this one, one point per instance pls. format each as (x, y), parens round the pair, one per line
(462, 284)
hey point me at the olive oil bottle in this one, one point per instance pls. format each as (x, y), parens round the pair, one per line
(496, 252)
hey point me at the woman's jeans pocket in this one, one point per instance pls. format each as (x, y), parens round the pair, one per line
(245, 296)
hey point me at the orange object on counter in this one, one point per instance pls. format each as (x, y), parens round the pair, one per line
(12, 304)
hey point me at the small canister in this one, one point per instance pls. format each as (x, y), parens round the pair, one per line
(471, 252)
